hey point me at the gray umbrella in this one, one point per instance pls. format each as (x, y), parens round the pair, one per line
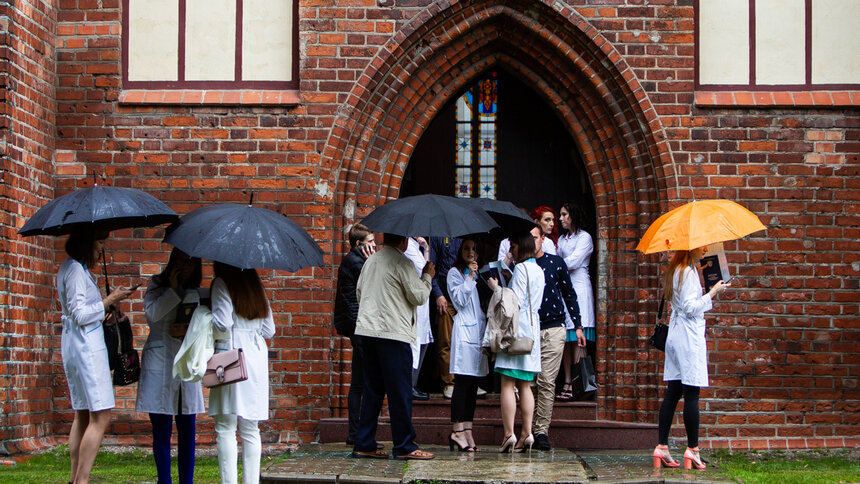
(431, 215)
(246, 237)
(105, 208)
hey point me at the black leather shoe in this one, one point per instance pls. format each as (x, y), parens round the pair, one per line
(542, 442)
(419, 395)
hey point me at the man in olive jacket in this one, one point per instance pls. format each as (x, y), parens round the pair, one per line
(388, 293)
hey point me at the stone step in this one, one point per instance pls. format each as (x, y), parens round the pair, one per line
(489, 408)
(488, 433)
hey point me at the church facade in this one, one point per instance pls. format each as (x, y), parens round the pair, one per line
(324, 109)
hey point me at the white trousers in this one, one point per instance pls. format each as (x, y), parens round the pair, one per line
(249, 431)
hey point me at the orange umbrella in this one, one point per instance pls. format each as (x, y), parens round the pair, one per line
(697, 224)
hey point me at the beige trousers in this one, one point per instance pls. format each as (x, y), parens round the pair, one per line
(551, 350)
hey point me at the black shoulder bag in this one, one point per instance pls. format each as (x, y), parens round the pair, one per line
(661, 331)
(119, 341)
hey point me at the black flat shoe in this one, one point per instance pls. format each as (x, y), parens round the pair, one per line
(419, 395)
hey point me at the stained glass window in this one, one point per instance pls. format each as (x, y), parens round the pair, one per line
(477, 111)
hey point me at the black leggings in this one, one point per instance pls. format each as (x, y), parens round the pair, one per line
(464, 398)
(691, 412)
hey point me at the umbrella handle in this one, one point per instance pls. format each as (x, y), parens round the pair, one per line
(104, 269)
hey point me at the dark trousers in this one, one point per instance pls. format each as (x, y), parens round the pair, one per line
(464, 398)
(387, 371)
(162, 426)
(691, 412)
(356, 387)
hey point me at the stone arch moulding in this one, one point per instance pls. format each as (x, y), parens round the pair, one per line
(575, 70)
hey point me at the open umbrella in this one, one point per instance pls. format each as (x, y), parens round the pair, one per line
(245, 236)
(431, 215)
(509, 218)
(105, 208)
(697, 224)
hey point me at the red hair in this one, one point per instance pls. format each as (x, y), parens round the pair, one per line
(536, 215)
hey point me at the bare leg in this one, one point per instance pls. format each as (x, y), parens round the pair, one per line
(90, 444)
(527, 407)
(79, 424)
(467, 426)
(509, 404)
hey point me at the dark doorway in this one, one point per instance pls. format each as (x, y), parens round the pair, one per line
(537, 162)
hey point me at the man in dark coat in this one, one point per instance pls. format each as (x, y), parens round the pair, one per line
(362, 245)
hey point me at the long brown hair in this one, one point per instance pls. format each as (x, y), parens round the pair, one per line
(246, 290)
(680, 258)
(525, 243)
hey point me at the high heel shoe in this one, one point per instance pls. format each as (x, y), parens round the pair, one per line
(508, 444)
(472, 448)
(527, 442)
(693, 459)
(453, 443)
(662, 457)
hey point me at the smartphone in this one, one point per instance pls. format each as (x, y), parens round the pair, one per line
(731, 279)
(134, 287)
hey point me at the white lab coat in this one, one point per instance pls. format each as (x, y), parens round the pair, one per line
(529, 324)
(82, 346)
(576, 251)
(248, 399)
(686, 349)
(423, 333)
(467, 357)
(158, 390)
(197, 347)
(505, 247)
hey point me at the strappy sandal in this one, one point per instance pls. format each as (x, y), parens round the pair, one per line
(417, 454)
(376, 454)
(473, 448)
(566, 394)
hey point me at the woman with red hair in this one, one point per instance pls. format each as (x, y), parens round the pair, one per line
(545, 218)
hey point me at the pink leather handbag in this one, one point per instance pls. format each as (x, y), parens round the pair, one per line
(225, 368)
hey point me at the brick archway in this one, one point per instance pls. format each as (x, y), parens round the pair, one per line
(592, 90)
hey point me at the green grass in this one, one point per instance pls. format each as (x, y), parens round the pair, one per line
(134, 466)
(775, 467)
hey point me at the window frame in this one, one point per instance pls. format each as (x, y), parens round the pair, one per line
(236, 84)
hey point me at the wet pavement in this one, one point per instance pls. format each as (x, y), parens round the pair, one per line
(332, 463)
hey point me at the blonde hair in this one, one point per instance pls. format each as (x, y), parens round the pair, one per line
(680, 258)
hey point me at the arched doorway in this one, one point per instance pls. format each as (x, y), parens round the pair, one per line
(587, 86)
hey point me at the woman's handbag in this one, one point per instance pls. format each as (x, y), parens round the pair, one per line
(122, 357)
(520, 345)
(225, 368)
(661, 331)
(584, 383)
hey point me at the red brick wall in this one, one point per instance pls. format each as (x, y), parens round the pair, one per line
(28, 325)
(784, 343)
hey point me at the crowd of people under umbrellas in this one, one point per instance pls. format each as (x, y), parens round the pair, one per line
(526, 316)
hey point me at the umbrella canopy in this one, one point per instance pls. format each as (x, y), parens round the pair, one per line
(509, 218)
(246, 237)
(105, 208)
(431, 215)
(697, 224)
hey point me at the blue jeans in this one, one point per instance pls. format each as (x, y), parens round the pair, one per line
(162, 426)
(387, 371)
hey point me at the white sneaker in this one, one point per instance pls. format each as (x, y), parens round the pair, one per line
(448, 391)
(481, 392)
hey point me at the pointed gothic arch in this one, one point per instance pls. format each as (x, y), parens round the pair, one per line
(592, 90)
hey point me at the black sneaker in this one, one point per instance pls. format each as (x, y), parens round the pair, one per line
(542, 442)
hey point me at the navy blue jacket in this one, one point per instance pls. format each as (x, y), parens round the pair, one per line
(557, 292)
(443, 253)
(345, 300)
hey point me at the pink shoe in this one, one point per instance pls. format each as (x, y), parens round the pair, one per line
(663, 458)
(693, 459)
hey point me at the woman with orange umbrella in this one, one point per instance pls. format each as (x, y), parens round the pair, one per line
(688, 230)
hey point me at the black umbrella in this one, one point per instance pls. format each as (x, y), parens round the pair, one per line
(246, 237)
(105, 208)
(510, 218)
(432, 215)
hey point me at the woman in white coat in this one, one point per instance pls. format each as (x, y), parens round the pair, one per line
(240, 309)
(468, 361)
(85, 357)
(575, 247)
(518, 371)
(686, 366)
(158, 392)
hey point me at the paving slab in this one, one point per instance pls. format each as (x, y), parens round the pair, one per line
(333, 463)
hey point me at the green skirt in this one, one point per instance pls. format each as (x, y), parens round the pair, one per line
(517, 374)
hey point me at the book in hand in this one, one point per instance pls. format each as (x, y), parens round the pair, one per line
(715, 268)
(495, 269)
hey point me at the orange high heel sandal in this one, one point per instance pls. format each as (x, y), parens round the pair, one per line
(663, 458)
(693, 459)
